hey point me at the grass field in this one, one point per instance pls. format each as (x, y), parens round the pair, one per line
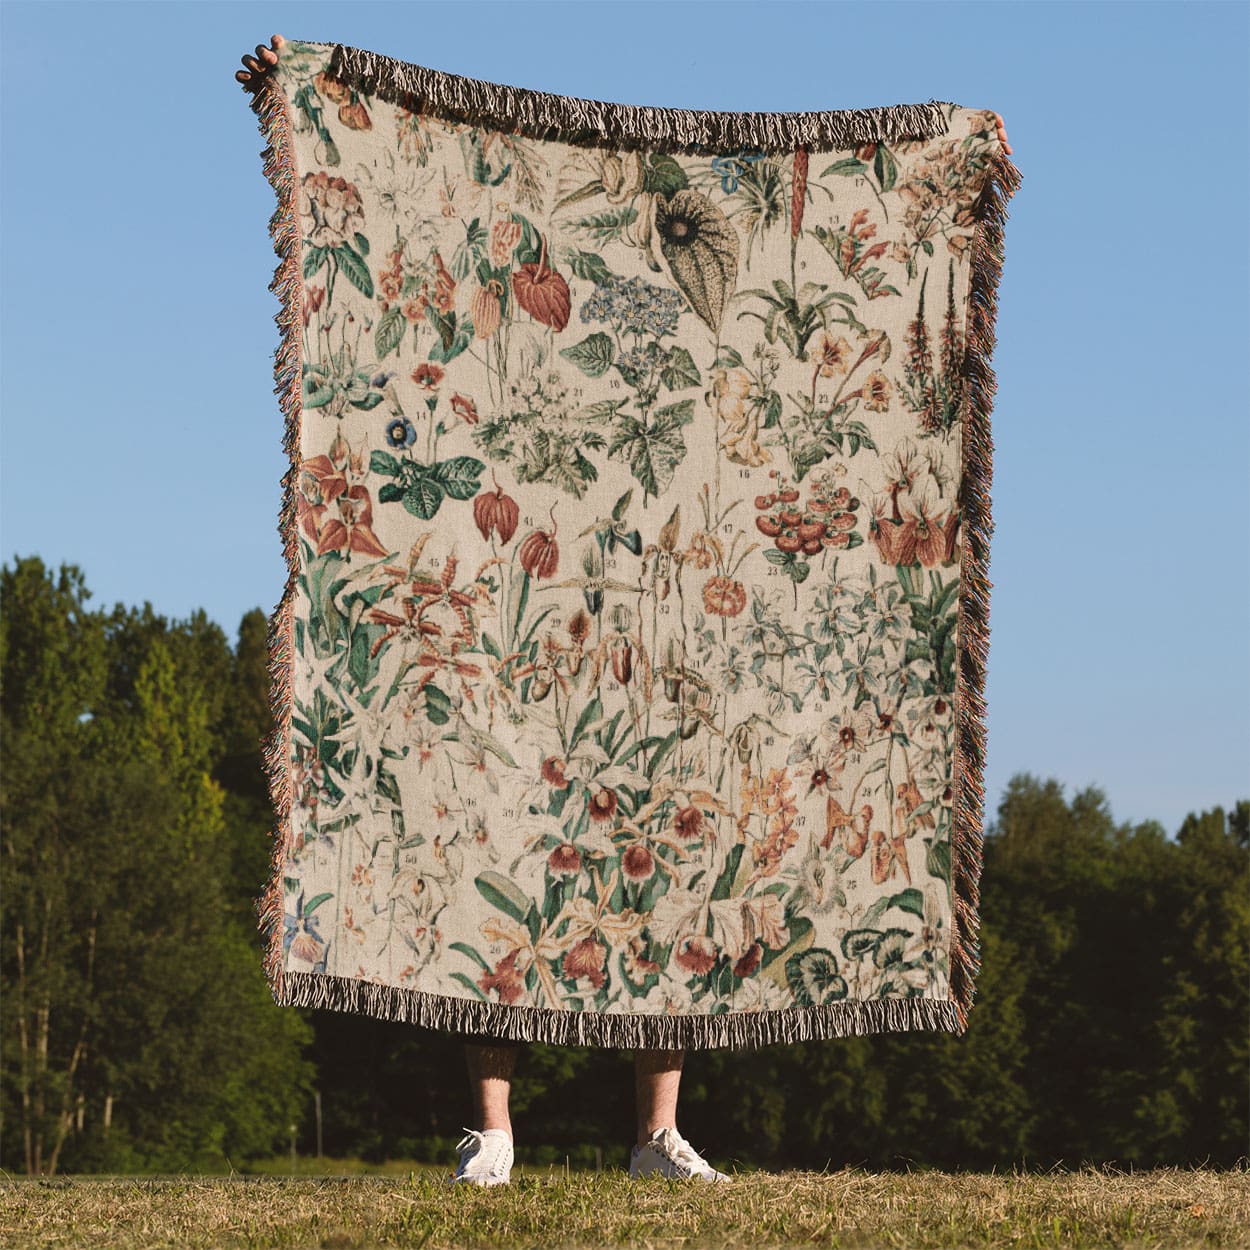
(548, 1208)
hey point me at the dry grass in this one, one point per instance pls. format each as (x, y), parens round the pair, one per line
(851, 1208)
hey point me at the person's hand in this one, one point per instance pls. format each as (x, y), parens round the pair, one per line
(1002, 131)
(260, 64)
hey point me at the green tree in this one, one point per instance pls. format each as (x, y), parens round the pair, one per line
(142, 1033)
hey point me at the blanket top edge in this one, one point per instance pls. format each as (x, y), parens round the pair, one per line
(540, 114)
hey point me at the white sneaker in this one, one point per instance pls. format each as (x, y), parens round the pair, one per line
(668, 1153)
(485, 1158)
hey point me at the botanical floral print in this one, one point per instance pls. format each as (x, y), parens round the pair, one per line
(629, 560)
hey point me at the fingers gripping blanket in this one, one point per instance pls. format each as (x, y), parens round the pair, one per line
(628, 679)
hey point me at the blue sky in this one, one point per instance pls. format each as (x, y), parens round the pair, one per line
(142, 439)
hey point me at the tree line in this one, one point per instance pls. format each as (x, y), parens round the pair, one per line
(137, 1032)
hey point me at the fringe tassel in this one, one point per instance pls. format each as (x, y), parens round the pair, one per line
(596, 123)
(736, 1030)
(269, 104)
(967, 838)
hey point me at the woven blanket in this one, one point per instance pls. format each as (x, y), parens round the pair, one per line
(628, 678)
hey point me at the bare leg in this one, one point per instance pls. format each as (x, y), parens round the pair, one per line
(657, 1077)
(490, 1078)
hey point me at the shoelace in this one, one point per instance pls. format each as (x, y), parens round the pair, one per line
(472, 1135)
(682, 1152)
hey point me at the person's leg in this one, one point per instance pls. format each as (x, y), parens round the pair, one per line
(657, 1077)
(491, 1065)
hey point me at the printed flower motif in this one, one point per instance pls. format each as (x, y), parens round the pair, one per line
(300, 934)
(887, 855)
(621, 175)
(313, 297)
(750, 962)
(401, 433)
(704, 550)
(586, 959)
(355, 116)
(633, 306)
(637, 863)
(637, 966)
(540, 553)
(506, 980)
(688, 823)
(602, 804)
(832, 358)
(444, 286)
(565, 860)
(331, 210)
(495, 511)
(740, 437)
(772, 797)
(553, 772)
(427, 376)
(696, 954)
(909, 798)
(723, 596)
(352, 113)
(542, 292)
(337, 515)
(876, 392)
(853, 730)
(463, 407)
(485, 309)
(504, 236)
(335, 91)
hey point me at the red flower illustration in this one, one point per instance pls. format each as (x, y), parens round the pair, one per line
(696, 954)
(602, 804)
(334, 514)
(749, 961)
(463, 407)
(565, 860)
(586, 959)
(506, 979)
(553, 772)
(638, 863)
(427, 376)
(542, 292)
(688, 823)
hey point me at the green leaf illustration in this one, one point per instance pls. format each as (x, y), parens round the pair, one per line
(314, 258)
(664, 174)
(313, 903)
(588, 265)
(383, 462)
(424, 497)
(813, 977)
(390, 332)
(459, 476)
(593, 356)
(468, 984)
(503, 893)
(437, 705)
(680, 371)
(858, 942)
(654, 451)
(908, 900)
(356, 270)
(465, 949)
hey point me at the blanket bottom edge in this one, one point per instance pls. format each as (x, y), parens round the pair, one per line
(737, 1030)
